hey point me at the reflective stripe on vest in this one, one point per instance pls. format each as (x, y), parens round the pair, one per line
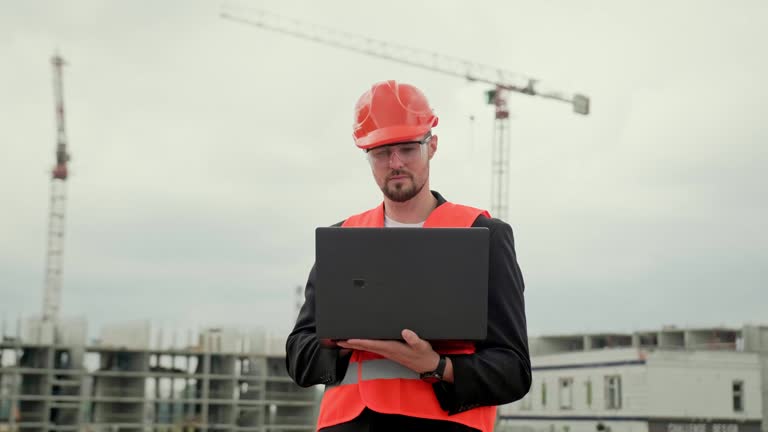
(377, 369)
(388, 387)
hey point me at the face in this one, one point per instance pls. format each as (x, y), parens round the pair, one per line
(402, 170)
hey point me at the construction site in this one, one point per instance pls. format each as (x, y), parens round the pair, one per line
(52, 379)
(57, 374)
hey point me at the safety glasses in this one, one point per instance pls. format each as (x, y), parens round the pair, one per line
(406, 152)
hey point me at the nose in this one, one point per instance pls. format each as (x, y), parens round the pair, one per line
(395, 161)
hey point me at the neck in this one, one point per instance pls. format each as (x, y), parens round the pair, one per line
(415, 210)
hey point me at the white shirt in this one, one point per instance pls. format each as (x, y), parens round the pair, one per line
(391, 223)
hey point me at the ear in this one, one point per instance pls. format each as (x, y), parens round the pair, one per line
(432, 146)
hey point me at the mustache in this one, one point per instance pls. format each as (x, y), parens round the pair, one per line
(394, 173)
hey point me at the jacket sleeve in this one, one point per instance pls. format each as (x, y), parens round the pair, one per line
(499, 372)
(308, 363)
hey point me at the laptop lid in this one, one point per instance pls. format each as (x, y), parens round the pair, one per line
(374, 282)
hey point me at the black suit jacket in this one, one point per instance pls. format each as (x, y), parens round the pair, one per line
(498, 372)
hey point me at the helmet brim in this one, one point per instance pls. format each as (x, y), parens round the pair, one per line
(392, 135)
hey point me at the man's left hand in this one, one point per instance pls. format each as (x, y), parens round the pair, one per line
(416, 354)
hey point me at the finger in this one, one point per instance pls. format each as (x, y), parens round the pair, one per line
(362, 348)
(413, 340)
(372, 345)
(358, 346)
(352, 346)
(388, 349)
(410, 337)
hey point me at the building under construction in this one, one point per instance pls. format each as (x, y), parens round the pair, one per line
(223, 380)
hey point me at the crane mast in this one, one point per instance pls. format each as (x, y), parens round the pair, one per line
(503, 81)
(58, 196)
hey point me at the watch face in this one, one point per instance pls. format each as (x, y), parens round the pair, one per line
(431, 378)
(436, 375)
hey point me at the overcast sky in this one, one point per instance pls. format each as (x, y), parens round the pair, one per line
(204, 154)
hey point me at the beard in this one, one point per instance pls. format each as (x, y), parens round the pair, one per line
(401, 191)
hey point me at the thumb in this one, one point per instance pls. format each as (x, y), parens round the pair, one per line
(411, 338)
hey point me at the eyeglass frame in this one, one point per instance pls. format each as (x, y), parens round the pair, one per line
(372, 159)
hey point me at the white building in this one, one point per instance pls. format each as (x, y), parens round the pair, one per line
(673, 380)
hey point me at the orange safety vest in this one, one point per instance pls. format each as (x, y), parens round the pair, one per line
(385, 386)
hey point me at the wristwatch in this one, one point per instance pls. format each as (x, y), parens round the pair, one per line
(437, 374)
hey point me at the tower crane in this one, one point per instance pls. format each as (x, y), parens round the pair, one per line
(58, 198)
(503, 82)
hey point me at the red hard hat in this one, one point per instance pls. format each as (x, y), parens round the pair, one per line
(389, 113)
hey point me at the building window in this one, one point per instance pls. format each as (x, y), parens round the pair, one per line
(566, 393)
(589, 392)
(613, 392)
(543, 394)
(738, 396)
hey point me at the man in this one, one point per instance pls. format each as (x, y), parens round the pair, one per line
(413, 385)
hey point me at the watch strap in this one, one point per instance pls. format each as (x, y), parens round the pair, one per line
(437, 374)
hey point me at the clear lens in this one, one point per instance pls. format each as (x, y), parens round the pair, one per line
(406, 152)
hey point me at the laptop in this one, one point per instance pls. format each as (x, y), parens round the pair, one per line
(371, 283)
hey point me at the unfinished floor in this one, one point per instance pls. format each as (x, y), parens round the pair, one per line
(224, 382)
